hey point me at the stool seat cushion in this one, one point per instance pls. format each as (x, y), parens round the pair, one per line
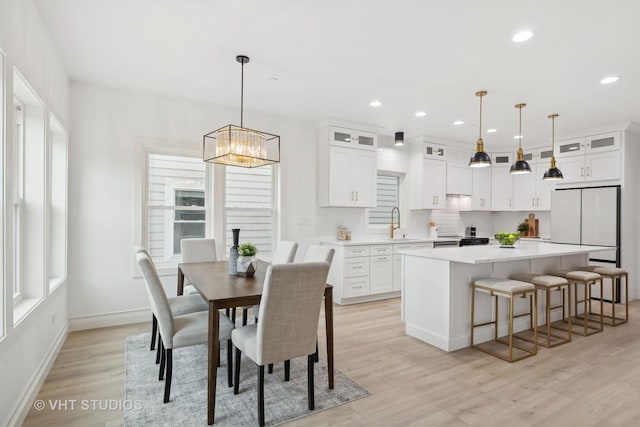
(610, 271)
(505, 285)
(577, 275)
(541, 279)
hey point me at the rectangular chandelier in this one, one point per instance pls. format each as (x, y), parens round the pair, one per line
(238, 146)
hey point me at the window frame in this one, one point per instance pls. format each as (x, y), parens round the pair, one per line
(401, 200)
(17, 290)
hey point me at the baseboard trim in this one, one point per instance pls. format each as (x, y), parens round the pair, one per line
(25, 404)
(109, 319)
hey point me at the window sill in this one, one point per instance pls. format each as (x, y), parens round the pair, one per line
(54, 282)
(22, 309)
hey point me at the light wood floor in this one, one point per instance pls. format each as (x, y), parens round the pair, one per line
(592, 381)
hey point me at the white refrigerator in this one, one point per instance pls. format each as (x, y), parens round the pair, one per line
(588, 216)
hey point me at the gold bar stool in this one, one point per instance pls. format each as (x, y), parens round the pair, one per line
(509, 289)
(612, 273)
(547, 284)
(586, 279)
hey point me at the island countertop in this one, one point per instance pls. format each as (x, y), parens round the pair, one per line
(482, 254)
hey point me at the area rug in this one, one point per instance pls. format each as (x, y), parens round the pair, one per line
(284, 401)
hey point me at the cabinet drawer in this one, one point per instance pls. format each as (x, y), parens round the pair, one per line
(353, 251)
(356, 287)
(381, 250)
(354, 267)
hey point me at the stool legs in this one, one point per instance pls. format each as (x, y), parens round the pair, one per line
(612, 319)
(587, 306)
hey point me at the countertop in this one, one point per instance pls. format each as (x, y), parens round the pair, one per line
(377, 240)
(482, 254)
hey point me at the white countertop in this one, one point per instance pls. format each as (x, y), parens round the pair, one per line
(377, 240)
(482, 254)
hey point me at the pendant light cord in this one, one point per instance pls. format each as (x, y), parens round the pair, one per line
(241, 93)
(480, 124)
(520, 127)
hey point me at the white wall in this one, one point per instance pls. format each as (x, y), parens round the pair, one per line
(28, 349)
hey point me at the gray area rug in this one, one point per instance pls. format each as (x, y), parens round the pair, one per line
(284, 401)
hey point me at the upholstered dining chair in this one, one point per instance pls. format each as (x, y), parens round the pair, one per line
(179, 331)
(179, 305)
(197, 250)
(288, 327)
(285, 253)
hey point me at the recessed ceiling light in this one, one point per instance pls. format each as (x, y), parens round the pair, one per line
(522, 36)
(517, 137)
(458, 122)
(492, 130)
(380, 149)
(610, 79)
(375, 104)
(421, 114)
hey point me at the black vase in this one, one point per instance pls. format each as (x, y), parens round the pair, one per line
(233, 252)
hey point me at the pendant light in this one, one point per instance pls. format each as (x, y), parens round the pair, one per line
(553, 174)
(480, 159)
(399, 139)
(239, 146)
(520, 166)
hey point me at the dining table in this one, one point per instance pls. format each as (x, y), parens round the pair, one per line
(222, 290)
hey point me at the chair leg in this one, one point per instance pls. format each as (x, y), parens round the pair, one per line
(236, 379)
(162, 361)
(316, 355)
(245, 316)
(167, 383)
(311, 397)
(233, 315)
(261, 395)
(158, 350)
(154, 331)
(218, 355)
(271, 368)
(287, 369)
(229, 363)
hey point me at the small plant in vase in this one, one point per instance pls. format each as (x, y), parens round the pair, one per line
(523, 228)
(246, 254)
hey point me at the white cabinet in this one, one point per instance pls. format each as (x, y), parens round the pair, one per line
(593, 158)
(397, 260)
(530, 191)
(459, 179)
(351, 178)
(481, 192)
(434, 151)
(501, 182)
(381, 274)
(352, 138)
(428, 184)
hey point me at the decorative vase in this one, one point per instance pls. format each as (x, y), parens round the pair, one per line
(245, 266)
(233, 252)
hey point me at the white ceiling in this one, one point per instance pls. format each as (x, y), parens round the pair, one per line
(332, 57)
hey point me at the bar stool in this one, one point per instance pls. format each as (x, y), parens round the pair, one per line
(612, 273)
(509, 289)
(547, 284)
(586, 279)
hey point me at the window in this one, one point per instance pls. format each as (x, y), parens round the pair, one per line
(249, 206)
(388, 196)
(176, 206)
(18, 199)
(57, 203)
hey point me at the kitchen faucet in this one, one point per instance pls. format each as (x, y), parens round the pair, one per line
(392, 227)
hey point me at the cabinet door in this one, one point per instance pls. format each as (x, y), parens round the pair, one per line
(572, 168)
(351, 138)
(434, 151)
(356, 267)
(543, 188)
(364, 170)
(481, 197)
(434, 174)
(570, 147)
(356, 287)
(501, 189)
(341, 192)
(459, 179)
(524, 190)
(603, 142)
(381, 278)
(602, 166)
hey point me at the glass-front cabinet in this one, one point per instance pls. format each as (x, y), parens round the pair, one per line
(352, 138)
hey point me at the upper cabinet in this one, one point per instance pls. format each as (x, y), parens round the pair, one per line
(347, 168)
(594, 158)
(428, 176)
(352, 138)
(459, 174)
(481, 195)
(530, 191)
(501, 182)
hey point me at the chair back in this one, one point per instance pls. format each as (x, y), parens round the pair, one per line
(157, 298)
(319, 253)
(285, 252)
(290, 311)
(137, 249)
(198, 250)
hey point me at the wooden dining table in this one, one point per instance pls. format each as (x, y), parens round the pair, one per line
(223, 290)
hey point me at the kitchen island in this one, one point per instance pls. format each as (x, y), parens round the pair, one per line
(436, 293)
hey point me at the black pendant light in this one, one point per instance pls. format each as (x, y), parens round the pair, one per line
(399, 139)
(520, 166)
(553, 174)
(480, 159)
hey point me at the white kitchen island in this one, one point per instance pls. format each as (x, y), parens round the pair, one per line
(436, 293)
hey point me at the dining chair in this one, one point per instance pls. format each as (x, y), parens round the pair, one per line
(285, 253)
(288, 327)
(197, 250)
(179, 331)
(183, 304)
